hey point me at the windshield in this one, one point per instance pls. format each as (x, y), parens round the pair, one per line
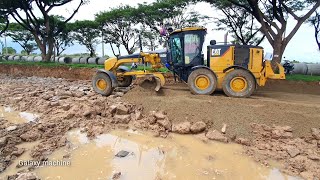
(176, 50)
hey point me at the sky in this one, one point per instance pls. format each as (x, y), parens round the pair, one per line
(302, 47)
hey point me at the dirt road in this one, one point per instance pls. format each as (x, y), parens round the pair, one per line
(64, 105)
(301, 111)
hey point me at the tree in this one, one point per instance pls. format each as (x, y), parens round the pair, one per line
(315, 22)
(10, 50)
(164, 13)
(86, 33)
(43, 28)
(64, 39)
(119, 27)
(241, 24)
(273, 17)
(23, 37)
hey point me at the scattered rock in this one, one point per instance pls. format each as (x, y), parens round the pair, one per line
(66, 107)
(27, 176)
(198, 127)
(11, 128)
(3, 141)
(314, 157)
(122, 110)
(123, 119)
(116, 176)
(293, 151)
(18, 153)
(217, 136)
(160, 115)
(54, 104)
(315, 133)
(182, 128)
(122, 154)
(243, 141)
(119, 94)
(138, 115)
(165, 123)
(30, 136)
(224, 128)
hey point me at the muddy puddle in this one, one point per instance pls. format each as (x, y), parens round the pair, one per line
(148, 157)
(16, 117)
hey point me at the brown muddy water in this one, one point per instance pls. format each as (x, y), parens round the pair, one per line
(16, 117)
(177, 157)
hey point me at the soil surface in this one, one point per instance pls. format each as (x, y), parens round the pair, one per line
(271, 125)
(301, 111)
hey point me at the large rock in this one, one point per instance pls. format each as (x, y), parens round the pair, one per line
(122, 110)
(315, 133)
(123, 119)
(217, 136)
(292, 151)
(165, 123)
(181, 128)
(30, 136)
(198, 127)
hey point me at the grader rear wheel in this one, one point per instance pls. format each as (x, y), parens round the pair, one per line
(102, 84)
(238, 83)
(202, 82)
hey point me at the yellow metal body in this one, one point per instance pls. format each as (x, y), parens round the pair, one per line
(113, 64)
(260, 70)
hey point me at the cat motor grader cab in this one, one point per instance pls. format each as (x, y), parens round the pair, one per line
(235, 69)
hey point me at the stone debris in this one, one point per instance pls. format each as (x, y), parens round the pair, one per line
(182, 128)
(65, 105)
(315, 133)
(299, 156)
(216, 136)
(198, 127)
(122, 154)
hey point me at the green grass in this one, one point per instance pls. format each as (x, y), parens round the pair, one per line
(299, 77)
(53, 64)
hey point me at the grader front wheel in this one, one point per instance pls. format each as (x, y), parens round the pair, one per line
(202, 82)
(238, 83)
(102, 84)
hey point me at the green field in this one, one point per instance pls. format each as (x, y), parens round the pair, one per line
(299, 77)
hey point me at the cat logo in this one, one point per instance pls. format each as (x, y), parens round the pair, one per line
(216, 52)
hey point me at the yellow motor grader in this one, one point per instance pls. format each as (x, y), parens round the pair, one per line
(235, 69)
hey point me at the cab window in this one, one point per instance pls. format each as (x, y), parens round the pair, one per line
(191, 47)
(176, 50)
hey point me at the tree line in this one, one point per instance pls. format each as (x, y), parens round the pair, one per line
(248, 21)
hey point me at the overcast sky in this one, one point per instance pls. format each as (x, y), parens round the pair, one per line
(302, 47)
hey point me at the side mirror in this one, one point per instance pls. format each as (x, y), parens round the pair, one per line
(213, 42)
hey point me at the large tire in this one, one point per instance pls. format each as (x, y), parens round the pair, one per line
(202, 81)
(126, 81)
(102, 84)
(239, 83)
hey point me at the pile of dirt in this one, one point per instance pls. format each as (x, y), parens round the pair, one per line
(300, 111)
(297, 156)
(40, 71)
